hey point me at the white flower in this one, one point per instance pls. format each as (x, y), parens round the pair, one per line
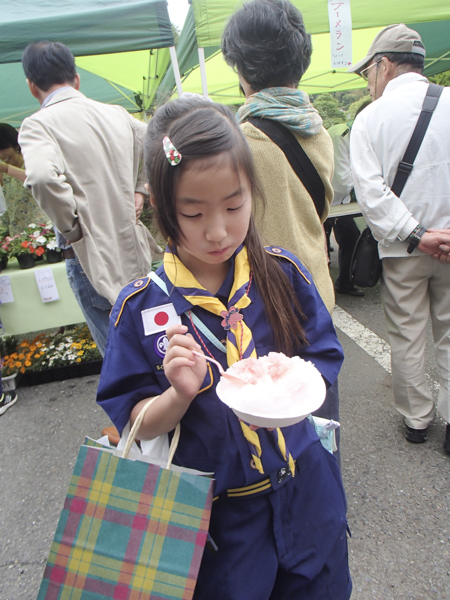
(41, 239)
(52, 245)
(32, 225)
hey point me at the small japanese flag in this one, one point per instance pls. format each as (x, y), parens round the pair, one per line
(159, 318)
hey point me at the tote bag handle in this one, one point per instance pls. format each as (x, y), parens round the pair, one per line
(137, 424)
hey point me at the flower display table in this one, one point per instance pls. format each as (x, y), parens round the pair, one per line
(82, 369)
(28, 312)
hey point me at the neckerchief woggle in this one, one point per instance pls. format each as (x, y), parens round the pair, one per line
(239, 337)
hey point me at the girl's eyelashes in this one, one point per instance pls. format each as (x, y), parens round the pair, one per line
(236, 207)
(229, 209)
(191, 216)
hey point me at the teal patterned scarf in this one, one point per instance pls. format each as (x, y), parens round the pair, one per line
(288, 106)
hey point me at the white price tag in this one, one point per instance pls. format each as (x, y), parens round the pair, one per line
(46, 284)
(340, 17)
(6, 294)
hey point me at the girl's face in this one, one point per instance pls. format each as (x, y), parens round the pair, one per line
(213, 208)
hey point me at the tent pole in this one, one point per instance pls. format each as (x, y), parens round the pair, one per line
(201, 59)
(176, 70)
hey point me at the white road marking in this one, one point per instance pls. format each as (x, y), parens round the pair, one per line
(366, 339)
(375, 346)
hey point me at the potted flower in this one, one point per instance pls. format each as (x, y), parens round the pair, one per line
(54, 253)
(27, 245)
(4, 239)
(53, 356)
(45, 236)
(10, 363)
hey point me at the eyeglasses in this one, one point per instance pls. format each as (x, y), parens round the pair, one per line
(363, 73)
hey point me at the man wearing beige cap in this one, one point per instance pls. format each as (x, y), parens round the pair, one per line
(413, 228)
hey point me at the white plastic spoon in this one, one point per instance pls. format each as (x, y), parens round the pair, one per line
(221, 370)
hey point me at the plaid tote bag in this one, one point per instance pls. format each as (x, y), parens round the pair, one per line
(129, 530)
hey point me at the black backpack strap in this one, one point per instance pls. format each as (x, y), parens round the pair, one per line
(297, 157)
(405, 166)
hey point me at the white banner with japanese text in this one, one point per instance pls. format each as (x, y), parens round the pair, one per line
(340, 17)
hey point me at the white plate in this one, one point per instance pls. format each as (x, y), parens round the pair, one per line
(311, 398)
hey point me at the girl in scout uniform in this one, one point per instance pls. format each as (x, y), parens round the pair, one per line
(279, 515)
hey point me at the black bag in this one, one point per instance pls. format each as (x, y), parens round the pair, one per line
(365, 267)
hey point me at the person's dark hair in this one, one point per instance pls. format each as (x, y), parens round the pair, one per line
(266, 42)
(201, 130)
(47, 63)
(415, 62)
(8, 137)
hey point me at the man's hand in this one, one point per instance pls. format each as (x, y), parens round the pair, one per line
(436, 243)
(139, 200)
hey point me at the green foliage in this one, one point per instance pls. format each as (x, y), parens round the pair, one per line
(441, 78)
(8, 344)
(329, 110)
(353, 108)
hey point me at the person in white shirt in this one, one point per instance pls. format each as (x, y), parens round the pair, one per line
(411, 230)
(345, 229)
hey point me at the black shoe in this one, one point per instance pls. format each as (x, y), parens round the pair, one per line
(447, 438)
(351, 291)
(7, 400)
(416, 436)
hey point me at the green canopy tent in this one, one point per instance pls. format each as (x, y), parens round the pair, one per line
(206, 19)
(122, 48)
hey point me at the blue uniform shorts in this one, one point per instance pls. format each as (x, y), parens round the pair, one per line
(288, 544)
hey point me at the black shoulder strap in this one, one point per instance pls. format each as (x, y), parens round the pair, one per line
(405, 166)
(297, 157)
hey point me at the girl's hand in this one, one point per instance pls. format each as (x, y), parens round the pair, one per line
(184, 371)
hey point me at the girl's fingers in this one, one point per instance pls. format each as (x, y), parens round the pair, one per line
(179, 351)
(178, 336)
(174, 329)
(184, 341)
(177, 362)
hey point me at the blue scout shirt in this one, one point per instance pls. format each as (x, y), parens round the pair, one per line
(211, 436)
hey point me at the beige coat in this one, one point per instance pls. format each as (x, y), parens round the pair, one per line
(288, 217)
(82, 160)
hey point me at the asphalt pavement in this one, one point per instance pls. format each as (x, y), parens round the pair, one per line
(398, 493)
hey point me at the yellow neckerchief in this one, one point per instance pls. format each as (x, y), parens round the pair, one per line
(239, 337)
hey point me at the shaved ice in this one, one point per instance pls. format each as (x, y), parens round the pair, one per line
(274, 386)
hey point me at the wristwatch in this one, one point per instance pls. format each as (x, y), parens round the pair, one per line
(414, 238)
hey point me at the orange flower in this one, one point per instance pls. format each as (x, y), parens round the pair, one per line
(24, 244)
(40, 251)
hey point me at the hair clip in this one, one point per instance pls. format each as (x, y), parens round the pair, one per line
(173, 156)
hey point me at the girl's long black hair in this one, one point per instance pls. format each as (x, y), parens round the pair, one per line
(200, 129)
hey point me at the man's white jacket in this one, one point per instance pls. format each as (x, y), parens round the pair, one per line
(380, 136)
